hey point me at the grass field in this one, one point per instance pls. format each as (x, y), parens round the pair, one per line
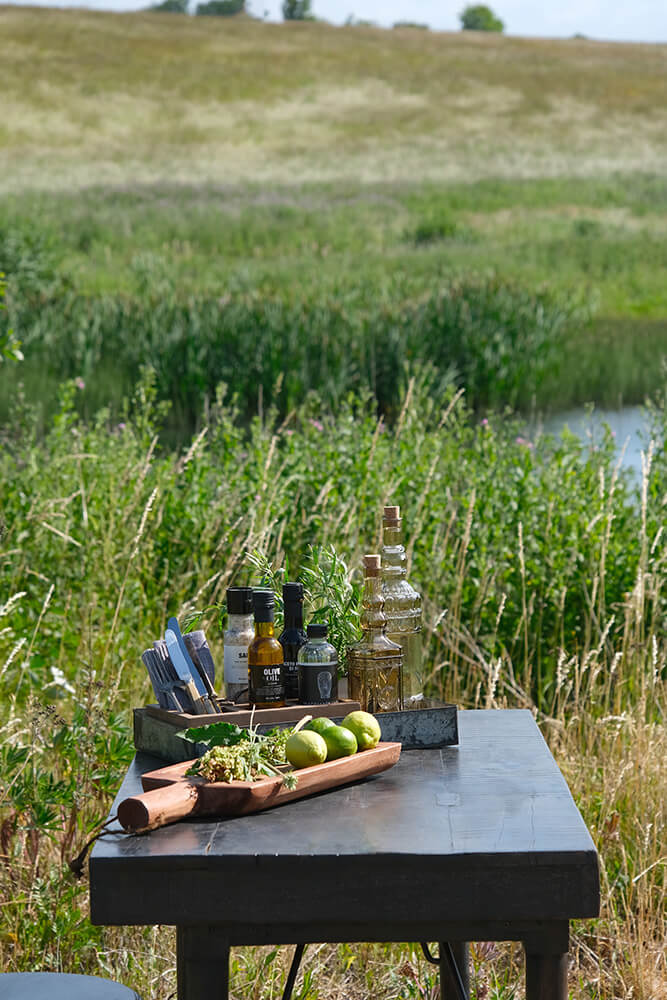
(313, 237)
(157, 158)
(142, 98)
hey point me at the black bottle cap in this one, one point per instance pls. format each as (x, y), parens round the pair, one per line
(316, 631)
(239, 601)
(263, 605)
(292, 593)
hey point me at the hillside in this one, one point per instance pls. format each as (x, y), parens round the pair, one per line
(91, 97)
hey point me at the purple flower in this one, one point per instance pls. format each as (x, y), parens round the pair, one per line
(524, 442)
(121, 426)
(80, 384)
(317, 424)
(485, 422)
(288, 432)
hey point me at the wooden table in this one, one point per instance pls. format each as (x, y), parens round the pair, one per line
(480, 842)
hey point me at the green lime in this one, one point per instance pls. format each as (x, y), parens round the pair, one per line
(319, 725)
(305, 749)
(365, 727)
(340, 742)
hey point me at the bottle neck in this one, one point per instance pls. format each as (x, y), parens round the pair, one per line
(263, 630)
(393, 552)
(294, 616)
(373, 618)
(239, 622)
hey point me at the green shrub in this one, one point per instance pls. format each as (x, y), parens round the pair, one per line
(220, 8)
(297, 10)
(171, 7)
(479, 17)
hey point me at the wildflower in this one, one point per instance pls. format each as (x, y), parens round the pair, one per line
(485, 422)
(120, 426)
(317, 424)
(80, 384)
(524, 442)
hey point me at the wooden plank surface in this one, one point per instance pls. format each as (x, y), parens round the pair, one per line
(487, 830)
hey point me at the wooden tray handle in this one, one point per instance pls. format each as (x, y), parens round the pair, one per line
(158, 807)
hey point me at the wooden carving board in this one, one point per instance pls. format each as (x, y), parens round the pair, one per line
(170, 795)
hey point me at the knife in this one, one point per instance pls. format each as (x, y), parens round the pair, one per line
(201, 704)
(200, 654)
(173, 625)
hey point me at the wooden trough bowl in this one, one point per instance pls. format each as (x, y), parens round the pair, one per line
(169, 794)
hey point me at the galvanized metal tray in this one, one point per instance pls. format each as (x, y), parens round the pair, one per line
(156, 731)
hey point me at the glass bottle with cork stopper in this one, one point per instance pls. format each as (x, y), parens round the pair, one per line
(265, 656)
(375, 663)
(238, 635)
(402, 607)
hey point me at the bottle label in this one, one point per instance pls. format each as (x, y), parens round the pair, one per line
(318, 683)
(291, 679)
(236, 665)
(266, 684)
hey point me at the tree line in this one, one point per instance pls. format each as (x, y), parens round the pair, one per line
(475, 17)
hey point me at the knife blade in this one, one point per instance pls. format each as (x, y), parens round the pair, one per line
(202, 705)
(174, 627)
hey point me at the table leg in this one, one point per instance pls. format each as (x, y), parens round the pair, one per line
(202, 959)
(546, 977)
(448, 987)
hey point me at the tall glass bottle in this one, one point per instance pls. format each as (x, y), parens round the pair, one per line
(265, 656)
(375, 663)
(292, 637)
(403, 608)
(237, 637)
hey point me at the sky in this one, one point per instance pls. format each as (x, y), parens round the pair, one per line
(617, 20)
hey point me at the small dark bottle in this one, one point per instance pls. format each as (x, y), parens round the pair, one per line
(292, 637)
(265, 656)
(318, 668)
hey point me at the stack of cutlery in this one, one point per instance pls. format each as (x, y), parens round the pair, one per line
(182, 672)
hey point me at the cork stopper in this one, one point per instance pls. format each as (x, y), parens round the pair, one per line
(392, 517)
(371, 565)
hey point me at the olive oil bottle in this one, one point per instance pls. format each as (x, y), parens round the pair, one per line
(402, 607)
(375, 663)
(266, 688)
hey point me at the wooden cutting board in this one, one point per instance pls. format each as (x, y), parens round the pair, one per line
(170, 795)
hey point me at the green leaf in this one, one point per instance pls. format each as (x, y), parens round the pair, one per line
(218, 734)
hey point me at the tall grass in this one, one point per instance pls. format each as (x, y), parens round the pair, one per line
(550, 568)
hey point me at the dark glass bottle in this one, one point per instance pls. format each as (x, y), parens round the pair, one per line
(265, 656)
(292, 637)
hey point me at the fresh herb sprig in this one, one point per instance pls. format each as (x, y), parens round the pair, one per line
(237, 754)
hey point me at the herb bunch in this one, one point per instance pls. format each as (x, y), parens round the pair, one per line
(237, 754)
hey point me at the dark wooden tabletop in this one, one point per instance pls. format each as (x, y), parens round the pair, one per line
(487, 830)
